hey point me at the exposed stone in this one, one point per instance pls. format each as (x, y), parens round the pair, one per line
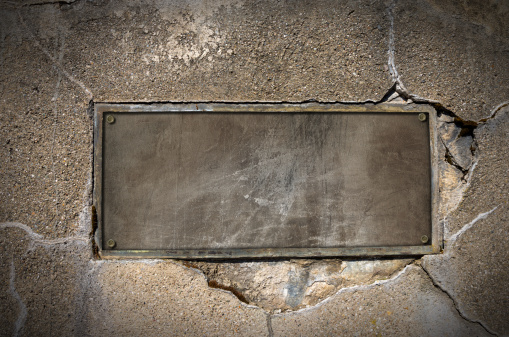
(295, 284)
(456, 151)
(460, 146)
(452, 187)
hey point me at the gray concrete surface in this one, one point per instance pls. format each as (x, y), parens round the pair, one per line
(454, 52)
(407, 305)
(473, 267)
(57, 57)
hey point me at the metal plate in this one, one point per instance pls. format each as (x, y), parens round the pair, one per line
(223, 180)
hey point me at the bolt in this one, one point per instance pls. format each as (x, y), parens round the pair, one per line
(110, 119)
(111, 243)
(422, 117)
(424, 239)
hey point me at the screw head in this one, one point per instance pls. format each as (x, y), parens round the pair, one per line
(110, 119)
(422, 117)
(424, 239)
(111, 243)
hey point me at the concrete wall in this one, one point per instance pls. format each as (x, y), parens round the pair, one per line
(58, 58)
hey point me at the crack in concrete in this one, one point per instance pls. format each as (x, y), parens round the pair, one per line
(450, 242)
(390, 62)
(399, 87)
(354, 288)
(232, 290)
(452, 239)
(18, 4)
(280, 102)
(20, 321)
(269, 325)
(494, 112)
(480, 323)
(262, 295)
(466, 181)
(449, 158)
(54, 61)
(38, 239)
(28, 230)
(55, 2)
(404, 93)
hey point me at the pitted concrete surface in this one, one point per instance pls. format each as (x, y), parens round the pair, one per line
(55, 58)
(169, 298)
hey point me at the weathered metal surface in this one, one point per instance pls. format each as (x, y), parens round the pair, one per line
(265, 180)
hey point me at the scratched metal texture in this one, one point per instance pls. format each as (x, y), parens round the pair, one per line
(249, 180)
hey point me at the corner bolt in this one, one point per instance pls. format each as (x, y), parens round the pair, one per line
(422, 117)
(110, 119)
(111, 243)
(424, 239)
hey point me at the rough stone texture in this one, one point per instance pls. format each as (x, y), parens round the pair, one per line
(458, 56)
(407, 306)
(46, 142)
(457, 149)
(55, 58)
(63, 292)
(43, 285)
(164, 297)
(489, 186)
(222, 50)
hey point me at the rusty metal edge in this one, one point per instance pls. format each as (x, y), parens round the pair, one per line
(97, 188)
(437, 231)
(269, 252)
(434, 247)
(262, 107)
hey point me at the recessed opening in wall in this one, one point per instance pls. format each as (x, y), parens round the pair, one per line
(265, 180)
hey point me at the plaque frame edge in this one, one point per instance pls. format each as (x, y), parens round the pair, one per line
(434, 247)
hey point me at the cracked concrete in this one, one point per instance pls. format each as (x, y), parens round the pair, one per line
(294, 284)
(56, 56)
(437, 47)
(382, 309)
(481, 324)
(472, 267)
(20, 321)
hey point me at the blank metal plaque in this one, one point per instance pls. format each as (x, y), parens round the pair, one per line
(262, 180)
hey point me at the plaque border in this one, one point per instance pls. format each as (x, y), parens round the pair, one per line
(434, 245)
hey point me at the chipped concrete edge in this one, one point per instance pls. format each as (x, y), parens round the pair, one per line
(354, 288)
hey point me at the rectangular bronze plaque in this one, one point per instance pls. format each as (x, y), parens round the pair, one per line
(265, 180)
